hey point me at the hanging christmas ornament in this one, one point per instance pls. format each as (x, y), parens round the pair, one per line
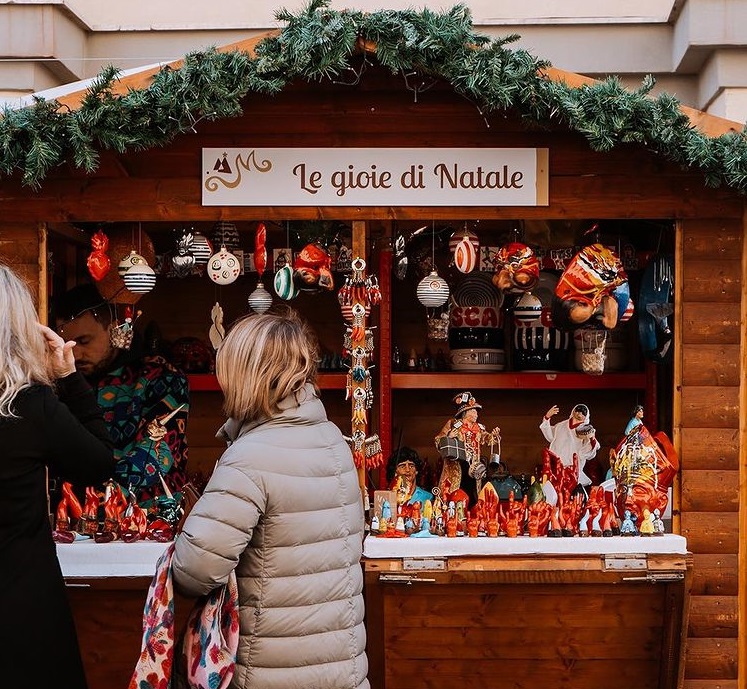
(285, 288)
(223, 267)
(528, 308)
(140, 278)
(465, 256)
(464, 233)
(201, 248)
(183, 260)
(226, 234)
(132, 259)
(433, 291)
(260, 249)
(260, 299)
(98, 262)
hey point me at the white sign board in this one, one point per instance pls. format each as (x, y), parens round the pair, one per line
(375, 177)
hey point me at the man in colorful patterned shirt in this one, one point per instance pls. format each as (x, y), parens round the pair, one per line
(134, 391)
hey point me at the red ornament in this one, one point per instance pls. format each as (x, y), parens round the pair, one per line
(98, 262)
(260, 251)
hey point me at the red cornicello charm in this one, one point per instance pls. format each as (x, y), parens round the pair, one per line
(98, 261)
(260, 250)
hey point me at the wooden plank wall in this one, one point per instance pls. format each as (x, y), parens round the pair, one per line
(19, 248)
(711, 295)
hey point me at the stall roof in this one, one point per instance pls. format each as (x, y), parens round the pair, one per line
(71, 95)
(146, 107)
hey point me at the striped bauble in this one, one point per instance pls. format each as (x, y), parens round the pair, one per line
(465, 256)
(285, 288)
(528, 309)
(140, 278)
(201, 248)
(459, 235)
(433, 290)
(260, 299)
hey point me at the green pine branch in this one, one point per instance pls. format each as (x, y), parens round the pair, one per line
(318, 43)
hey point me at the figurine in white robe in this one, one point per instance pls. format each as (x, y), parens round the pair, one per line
(574, 435)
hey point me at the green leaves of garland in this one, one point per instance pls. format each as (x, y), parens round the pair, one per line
(319, 43)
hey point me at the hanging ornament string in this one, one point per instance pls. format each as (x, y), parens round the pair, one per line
(260, 300)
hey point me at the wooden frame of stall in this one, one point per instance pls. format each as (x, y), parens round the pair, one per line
(711, 262)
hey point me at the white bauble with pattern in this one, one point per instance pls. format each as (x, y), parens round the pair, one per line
(140, 278)
(433, 291)
(223, 267)
(132, 259)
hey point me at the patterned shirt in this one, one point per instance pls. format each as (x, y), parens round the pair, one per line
(132, 395)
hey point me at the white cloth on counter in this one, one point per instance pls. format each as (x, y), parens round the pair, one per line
(377, 547)
(90, 560)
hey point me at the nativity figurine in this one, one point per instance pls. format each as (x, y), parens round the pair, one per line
(459, 443)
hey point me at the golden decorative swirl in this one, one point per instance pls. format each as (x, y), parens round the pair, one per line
(212, 182)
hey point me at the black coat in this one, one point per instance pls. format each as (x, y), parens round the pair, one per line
(37, 634)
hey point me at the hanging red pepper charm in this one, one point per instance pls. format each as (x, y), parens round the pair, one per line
(98, 262)
(260, 250)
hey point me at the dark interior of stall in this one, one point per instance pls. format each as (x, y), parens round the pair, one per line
(420, 343)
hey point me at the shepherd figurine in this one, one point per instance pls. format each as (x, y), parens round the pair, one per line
(458, 443)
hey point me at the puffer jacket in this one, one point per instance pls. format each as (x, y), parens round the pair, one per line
(283, 508)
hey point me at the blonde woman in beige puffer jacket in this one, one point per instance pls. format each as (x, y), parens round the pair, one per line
(283, 508)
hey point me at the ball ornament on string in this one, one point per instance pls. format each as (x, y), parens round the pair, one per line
(465, 246)
(140, 278)
(284, 285)
(132, 259)
(223, 267)
(260, 299)
(433, 290)
(201, 248)
(528, 309)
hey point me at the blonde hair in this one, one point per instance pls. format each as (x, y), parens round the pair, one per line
(264, 359)
(24, 358)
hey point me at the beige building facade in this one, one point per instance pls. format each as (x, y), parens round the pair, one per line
(696, 49)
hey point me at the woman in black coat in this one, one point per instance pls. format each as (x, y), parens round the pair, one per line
(41, 426)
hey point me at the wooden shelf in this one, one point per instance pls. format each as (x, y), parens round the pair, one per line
(207, 382)
(510, 380)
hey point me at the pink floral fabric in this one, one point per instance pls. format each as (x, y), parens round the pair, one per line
(210, 642)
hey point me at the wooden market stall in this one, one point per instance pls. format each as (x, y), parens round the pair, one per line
(160, 189)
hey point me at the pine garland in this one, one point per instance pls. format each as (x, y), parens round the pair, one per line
(319, 43)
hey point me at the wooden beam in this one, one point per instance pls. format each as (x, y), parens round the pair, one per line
(677, 374)
(43, 305)
(742, 556)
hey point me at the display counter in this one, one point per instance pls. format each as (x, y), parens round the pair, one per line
(107, 586)
(526, 612)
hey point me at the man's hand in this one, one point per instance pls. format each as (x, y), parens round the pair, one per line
(61, 358)
(552, 411)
